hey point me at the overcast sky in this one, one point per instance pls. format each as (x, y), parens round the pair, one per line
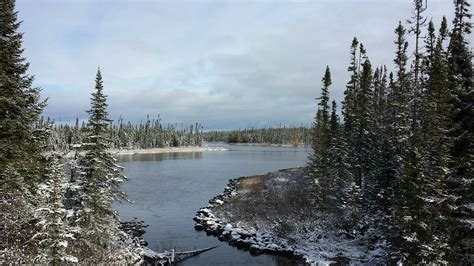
(226, 64)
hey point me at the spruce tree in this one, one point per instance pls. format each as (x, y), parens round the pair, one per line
(459, 183)
(417, 21)
(320, 145)
(54, 233)
(342, 190)
(363, 137)
(21, 141)
(349, 103)
(401, 93)
(437, 113)
(99, 185)
(20, 106)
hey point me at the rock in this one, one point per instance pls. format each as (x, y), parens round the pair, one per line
(228, 227)
(224, 236)
(198, 227)
(234, 235)
(210, 222)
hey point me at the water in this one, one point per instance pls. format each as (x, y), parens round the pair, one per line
(168, 189)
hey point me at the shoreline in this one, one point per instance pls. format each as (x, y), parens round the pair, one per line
(254, 241)
(121, 152)
(314, 246)
(187, 149)
(269, 145)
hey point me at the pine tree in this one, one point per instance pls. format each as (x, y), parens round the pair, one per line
(389, 160)
(459, 183)
(320, 144)
(417, 21)
(363, 137)
(99, 185)
(324, 99)
(401, 93)
(349, 103)
(437, 112)
(20, 105)
(54, 233)
(420, 188)
(341, 187)
(407, 168)
(21, 141)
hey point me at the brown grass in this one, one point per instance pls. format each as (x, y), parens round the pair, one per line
(277, 201)
(250, 184)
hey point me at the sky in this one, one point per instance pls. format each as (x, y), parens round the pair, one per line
(225, 64)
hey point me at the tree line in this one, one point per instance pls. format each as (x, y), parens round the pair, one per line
(46, 215)
(273, 135)
(145, 135)
(398, 166)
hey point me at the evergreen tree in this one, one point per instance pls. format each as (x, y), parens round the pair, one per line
(389, 160)
(21, 141)
(320, 144)
(437, 112)
(349, 103)
(20, 106)
(363, 137)
(54, 232)
(417, 21)
(459, 183)
(324, 99)
(99, 185)
(341, 188)
(401, 123)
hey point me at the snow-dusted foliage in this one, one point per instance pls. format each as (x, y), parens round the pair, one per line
(21, 143)
(149, 134)
(54, 232)
(279, 135)
(96, 184)
(407, 146)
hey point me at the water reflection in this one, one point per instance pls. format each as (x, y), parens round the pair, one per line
(160, 156)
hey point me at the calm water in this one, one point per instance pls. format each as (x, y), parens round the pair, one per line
(168, 189)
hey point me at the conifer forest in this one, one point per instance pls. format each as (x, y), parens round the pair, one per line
(381, 174)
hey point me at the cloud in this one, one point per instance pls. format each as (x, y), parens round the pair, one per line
(225, 64)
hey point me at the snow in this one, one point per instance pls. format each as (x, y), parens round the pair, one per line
(71, 259)
(159, 150)
(317, 246)
(228, 227)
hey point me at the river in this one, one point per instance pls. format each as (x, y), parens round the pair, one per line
(168, 188)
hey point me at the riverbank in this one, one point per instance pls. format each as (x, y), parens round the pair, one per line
(270, 145)
(166, 150)
(120, 152)
(273, 214)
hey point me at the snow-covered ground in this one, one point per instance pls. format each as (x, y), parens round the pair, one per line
(273, 214)
(268, 145)
(166, 150)
(161, 150)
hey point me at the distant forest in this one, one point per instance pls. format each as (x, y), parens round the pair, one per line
(125, 135)
(153, 134)
(274, 135)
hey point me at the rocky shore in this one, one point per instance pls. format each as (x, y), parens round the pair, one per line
(243, 238)
(135, 229)
(274, 214)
